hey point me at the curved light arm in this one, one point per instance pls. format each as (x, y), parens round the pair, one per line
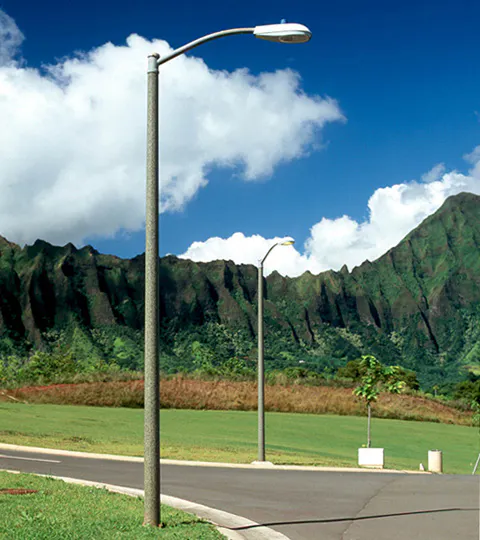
(268, 253)
(204, 39)
(284, 243)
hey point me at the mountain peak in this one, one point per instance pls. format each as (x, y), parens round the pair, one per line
(5, 243)
(463, 202)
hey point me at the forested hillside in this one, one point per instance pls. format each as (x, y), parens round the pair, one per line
(417, 306)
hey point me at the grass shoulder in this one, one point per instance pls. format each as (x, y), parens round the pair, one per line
(55, 510)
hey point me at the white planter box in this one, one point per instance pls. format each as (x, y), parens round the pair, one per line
(370, 457)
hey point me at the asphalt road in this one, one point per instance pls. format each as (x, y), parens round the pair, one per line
(300, 504)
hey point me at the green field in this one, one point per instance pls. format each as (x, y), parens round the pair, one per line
(59, 511)
(231, 436)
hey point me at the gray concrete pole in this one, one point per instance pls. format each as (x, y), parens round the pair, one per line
(261, 369)
(261, 363)
(152, 315)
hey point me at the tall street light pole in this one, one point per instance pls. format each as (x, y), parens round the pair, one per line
(261, 364)
(151, 432)
(282, 33)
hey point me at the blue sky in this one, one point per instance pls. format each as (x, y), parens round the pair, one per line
(404, 74)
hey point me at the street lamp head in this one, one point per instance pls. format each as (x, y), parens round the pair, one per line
(289, 242)
(283, 33)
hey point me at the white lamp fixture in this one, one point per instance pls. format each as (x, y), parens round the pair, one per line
(283, 32)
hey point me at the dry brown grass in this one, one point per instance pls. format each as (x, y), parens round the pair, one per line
(183, 393)
(98, 394)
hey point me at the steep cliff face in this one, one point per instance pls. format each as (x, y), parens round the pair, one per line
(421, 286)
(420, 290)
(426, 282)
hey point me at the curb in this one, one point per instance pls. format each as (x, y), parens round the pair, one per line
(255, 465)
(224, 522)
(56, 452)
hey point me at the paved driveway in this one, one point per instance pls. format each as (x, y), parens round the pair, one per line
(301, 504)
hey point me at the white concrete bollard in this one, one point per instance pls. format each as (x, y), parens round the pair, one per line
(435, 464)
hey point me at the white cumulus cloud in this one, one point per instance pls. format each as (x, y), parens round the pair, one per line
(72, 136)
(249, 250)
(392, 213)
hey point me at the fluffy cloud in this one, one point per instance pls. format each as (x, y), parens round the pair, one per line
(392, 213)
(250, 250)
(72, 138)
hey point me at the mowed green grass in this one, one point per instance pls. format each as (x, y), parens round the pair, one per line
(231, 436)
(59, 511)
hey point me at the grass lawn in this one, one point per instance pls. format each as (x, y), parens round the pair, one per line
(59, 511)
(231, 436)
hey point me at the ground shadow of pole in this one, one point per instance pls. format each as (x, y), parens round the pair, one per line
(361, 518)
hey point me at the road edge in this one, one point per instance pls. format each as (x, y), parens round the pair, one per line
(224, 522)
(255, 465)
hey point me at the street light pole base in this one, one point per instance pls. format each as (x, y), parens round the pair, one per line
(262, 463)
(161, 525)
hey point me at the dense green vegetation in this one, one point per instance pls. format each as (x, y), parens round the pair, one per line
(55, 510)
(80, 357)
(231, 436)
(68, 313)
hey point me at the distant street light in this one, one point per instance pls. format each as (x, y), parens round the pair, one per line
(282, 33)
(261, 364)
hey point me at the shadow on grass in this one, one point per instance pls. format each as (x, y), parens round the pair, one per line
(361, 518)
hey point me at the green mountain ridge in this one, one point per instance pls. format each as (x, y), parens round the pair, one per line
(418, 305)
